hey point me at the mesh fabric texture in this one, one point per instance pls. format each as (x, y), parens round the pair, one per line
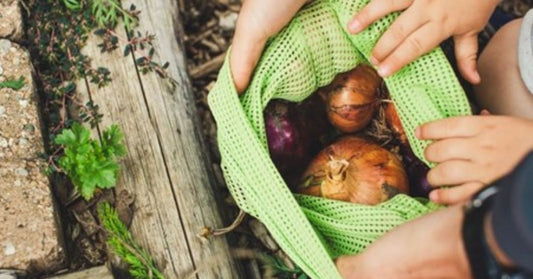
(307, 54)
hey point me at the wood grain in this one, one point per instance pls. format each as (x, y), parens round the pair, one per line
(100, 272)
(167, 166)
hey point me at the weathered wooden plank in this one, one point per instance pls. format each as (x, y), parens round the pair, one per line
(174, 114)
(156, 223)
(100, 272)
(167, 167)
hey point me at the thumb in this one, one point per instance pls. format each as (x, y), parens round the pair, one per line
(244, 56)
(466, 47)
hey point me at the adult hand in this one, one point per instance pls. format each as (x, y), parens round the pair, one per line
(473, 151)
(258, 20)
(421, 27)
(428, 247)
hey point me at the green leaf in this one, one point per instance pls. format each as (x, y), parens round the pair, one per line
(88, 163)
(67, 137)
(127, 50)
(13, 83)
(122, 243)
(100, 31)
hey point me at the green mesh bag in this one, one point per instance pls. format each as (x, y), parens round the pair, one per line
(307, 54)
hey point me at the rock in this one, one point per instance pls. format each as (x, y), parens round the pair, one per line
(18, 113)
(227, 21)
(9, 249)
(10, 20)
(3, 143)
(5, 45)
(21, 172)
(7, 276)
(27, 215)
(23, 103)
(23, 141)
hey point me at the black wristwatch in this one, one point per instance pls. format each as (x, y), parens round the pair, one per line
(483, 264)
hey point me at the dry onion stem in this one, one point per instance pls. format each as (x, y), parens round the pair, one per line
(208, 231)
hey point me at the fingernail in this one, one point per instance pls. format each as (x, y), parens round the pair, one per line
(434, 196)
(354, 26)
(418, 132)
(484, 112)
(384, 71)
(373, 60)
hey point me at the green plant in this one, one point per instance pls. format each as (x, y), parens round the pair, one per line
(56, 47)
(89, 163)
(106, 12)
(74, 5)
(276, 267)
(14, 84)
(121, 242)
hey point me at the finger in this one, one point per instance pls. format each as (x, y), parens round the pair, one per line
(457, 194)
(454, 172)
(418, 43)
(466, 47)
(375, 10)
(453, 127)
(244, 56)
(484, 112)
(449, 149)
(407, 23)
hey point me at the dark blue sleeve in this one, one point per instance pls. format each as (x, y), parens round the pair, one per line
(512, 213)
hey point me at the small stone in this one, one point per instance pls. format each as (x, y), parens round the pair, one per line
(1, 70)
(9, 249)
(21, 172)
(3, 143)
(16, 61)
(24, 103)
(23, 141)
(2, 110)
(227, 21)
(29, 128)
(5, 45)
(17, 183)
(8, 276)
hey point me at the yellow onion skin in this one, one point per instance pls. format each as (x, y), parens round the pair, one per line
(352, 99)
(393, 121)
(355, 170)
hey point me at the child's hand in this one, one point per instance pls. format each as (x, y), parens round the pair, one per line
(422, 26)
(258, 21)
(473, 151)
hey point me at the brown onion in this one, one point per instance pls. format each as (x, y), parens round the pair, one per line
(394, 123)
(356, 170)
(352, 98)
